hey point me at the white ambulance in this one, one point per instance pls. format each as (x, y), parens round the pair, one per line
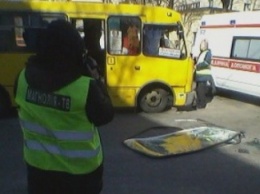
(234, 39)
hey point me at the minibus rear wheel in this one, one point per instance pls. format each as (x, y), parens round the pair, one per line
(5, 103)
(154, 100)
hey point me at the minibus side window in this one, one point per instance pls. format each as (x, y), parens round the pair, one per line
(246, 48)
(36, 23)
(6, 33)
(163, 41)
(19, 31)
(124, 35)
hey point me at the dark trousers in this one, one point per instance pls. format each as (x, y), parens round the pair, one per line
(201, 92)
(53, 182)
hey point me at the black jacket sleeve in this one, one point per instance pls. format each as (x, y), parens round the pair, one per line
(16, 84)
(99, 107)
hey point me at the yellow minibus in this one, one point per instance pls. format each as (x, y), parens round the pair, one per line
(140, 49)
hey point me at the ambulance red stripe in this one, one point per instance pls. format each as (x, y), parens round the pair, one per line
(231, 26)
(236, 64)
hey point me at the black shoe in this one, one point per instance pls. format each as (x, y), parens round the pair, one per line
(187, 108)
(194, 107)
(201, 106)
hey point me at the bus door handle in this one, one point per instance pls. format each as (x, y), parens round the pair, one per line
(137, 67)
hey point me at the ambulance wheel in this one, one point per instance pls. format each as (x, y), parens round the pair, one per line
(5, 103)
(154, 100)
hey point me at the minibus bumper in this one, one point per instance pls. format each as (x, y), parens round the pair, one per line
(190, 98)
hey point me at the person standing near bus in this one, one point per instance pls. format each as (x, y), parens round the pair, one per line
(203, 75)
(60, 108)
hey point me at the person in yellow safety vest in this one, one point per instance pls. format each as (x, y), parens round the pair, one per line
(203, 75)
(60, 107)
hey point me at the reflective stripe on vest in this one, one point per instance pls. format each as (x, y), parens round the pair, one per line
(60, 135)
(201, 58)
(53, 149)
(204, 72)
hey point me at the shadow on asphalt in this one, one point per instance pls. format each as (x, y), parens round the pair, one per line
(239, 97)
(209, 171)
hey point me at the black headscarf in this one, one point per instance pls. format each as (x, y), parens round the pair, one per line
(60, 45)
(58, 59)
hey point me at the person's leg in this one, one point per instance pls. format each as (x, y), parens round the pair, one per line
(40, 181)
(211, 90)
(82, 184)
(201, 94)
(53, 182)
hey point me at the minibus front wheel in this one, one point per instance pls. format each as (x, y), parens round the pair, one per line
(154, 100)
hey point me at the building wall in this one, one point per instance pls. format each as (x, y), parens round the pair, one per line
(238, 5)
(192, 15)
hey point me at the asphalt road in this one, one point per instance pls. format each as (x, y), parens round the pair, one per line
(225, 169)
